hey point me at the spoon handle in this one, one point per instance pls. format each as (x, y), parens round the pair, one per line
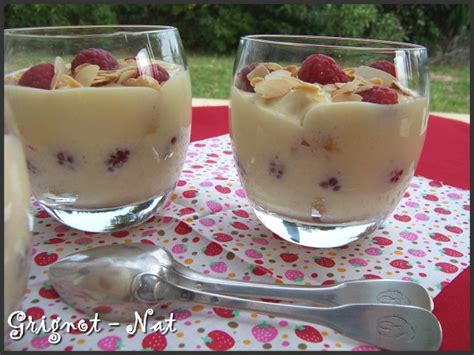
(354, 291)
(391, 327)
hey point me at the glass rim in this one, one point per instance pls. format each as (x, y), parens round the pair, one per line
(392, 46)
(120, 30)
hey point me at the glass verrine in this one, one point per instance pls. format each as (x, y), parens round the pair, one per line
(327, 131)
(16, 218)
(105, 117)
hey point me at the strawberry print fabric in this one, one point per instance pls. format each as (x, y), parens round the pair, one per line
(209, 226)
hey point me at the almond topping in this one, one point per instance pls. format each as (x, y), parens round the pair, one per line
(86, 74)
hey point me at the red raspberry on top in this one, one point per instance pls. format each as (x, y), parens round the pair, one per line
(38, 76)
(241, 81)
(154, 70)
(105, 60)
(380, 95)
(321, 69)
(386, 66)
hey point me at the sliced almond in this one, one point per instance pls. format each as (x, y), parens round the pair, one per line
(273, 66)
(269, 89)
(278, 74)
(346, 97)
(259, 71)
(329, 87)
(143, 80)
(369, 73)
(10, 80)
(125, 75)
(59, 72)
(348, 87)
(256, 80)
(104, 78)
(396, 85)
(71, 82)
(86, 74)
(376, 81)
(293, 69)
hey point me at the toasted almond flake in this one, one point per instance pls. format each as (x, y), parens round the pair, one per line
(366, 85)
(59, 72)
(269, 89)
(10, 80)
(396, 85)
(86, 74)
(104, 78)
(329, 87)
(259, 71)
(256, 80)
(131, 73)
(127, 62)
(81, 66)
(370, 73)
(278, 74)
(348, 87)
(144, 81)
(376, 81)
(346, 97)
(293, 69)
(273, 66)
(70, 82)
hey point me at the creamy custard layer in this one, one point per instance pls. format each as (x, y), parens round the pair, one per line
(330, 162)
(107, 146)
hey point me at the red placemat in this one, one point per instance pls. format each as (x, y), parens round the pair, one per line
(445, 157)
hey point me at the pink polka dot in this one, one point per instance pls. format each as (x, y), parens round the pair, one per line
(285, 343)
(283, 323)
(454, 196)
(422, 217)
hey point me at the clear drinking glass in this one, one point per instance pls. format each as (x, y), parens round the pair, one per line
(16, 218)
(105, 120)
(326, 149)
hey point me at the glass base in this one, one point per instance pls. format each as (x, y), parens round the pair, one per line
(108, 219)
(316, 235)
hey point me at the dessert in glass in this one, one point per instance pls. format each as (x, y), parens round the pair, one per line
(105, 117)
(327, 132)
(17, 220)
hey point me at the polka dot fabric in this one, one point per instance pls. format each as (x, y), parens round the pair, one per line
(209, 226)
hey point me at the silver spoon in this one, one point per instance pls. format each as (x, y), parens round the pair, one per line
(132, 259)
(123, 281)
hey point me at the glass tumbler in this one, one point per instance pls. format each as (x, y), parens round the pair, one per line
(105, 116)
(16, 218)
(327, 132)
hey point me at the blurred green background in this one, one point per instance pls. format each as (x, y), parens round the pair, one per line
(210, 34)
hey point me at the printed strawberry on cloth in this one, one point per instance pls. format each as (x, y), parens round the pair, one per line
(210, 227)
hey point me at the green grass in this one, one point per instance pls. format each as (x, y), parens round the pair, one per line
(450, 88)
(450, 84)
(211, 75)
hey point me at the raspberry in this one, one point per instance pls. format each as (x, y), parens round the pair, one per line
(154, 70)
(38, 76)
(331, 183)
(276, 168)
(386, 66)
(105, 60)
(117, 159)
(65, 159)
(241, 81)
(380, 95)
(321, 69)
(395, 175)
